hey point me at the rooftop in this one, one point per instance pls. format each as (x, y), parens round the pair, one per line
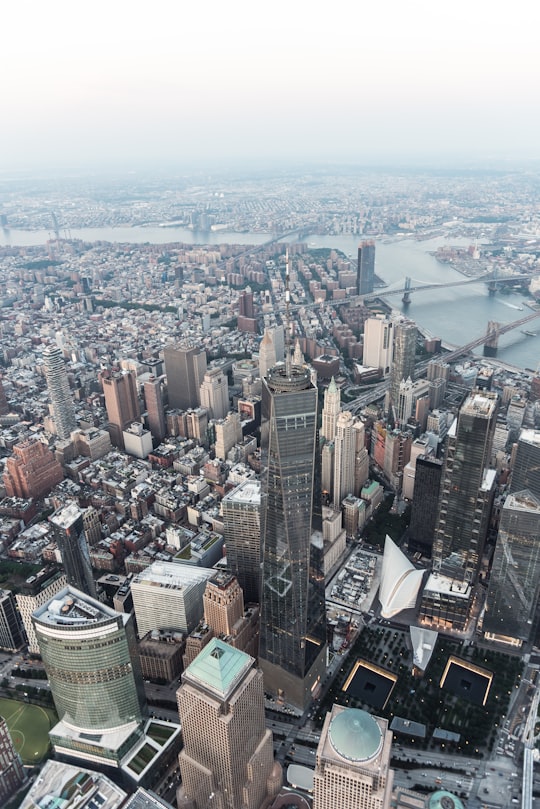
(218, 668)
(66, 515)
(355, 735)
(172, 575)
(71, 607)
(247, 492)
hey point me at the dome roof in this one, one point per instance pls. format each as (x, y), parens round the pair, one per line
(355, 735)
(444, 800)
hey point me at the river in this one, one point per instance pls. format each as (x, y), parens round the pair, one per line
(456, 315)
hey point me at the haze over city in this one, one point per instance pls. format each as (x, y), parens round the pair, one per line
(123, 85)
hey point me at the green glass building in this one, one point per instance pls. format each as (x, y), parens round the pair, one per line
(90, 656)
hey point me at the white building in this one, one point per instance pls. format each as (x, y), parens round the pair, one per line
(167, 595)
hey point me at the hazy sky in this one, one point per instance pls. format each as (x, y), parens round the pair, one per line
(131, 83)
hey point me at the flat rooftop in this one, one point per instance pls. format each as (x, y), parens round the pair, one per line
(66, 516)
(172, 576)
(247, 492)
(71, 607)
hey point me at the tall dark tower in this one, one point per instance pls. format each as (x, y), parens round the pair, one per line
(466, 489)
(154, 407)
(365, 276)
(526, 470)
(292, 651)
(514, 583)
(67, 524)
(424, 510)
(185, 366)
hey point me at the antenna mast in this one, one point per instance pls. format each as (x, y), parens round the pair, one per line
(288, 352)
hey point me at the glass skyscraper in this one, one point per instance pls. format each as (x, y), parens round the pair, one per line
(515, 574)
(293, 627)
(466, 489)
(365, 277)
(90, 655)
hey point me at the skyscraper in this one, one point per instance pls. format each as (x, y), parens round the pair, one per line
(352, 769)
(67, 525)
(267, 353)
(466, 493)
(405, 333)
(214, 393)
(185, 366)
(227, 761)
(35, 592)
(11, 634)
(331, 410)
(365, 276)
(122, 403)
(526, 469)
(378, 343)
(293, 625)
(58, 385)
(242, 529)
(90, 656)
(514, 583)
(153, 400)
(427, 481)
(344, 457)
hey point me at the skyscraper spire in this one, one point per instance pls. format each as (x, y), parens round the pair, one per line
(288, 345)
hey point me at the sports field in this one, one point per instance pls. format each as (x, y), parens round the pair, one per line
(29, 726)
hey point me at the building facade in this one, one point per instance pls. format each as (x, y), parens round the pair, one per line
(466, 493)
(32, 470)
(227, 760)
(35, 592)
(378, 343)
(153, 399)
(403, 360)
(11, 628)
(214, 393)
(514, 583)
(167, 595)
(121, 402)
(242, 530)
(68, 530)
(90, 655)
(293, 623)
(185, 366)
(526, 468)
(58, 385)
(365, 276)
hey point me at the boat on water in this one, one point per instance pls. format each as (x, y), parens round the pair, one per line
(529, 333)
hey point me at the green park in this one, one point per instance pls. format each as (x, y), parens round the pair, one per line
(29, 726)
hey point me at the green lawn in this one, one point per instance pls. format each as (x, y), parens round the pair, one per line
(29, 726)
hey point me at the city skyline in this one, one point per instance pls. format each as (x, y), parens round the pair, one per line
(221, 85)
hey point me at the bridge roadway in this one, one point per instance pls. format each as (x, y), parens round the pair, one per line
(384, 293)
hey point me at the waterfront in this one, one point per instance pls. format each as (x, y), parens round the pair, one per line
(456, 314)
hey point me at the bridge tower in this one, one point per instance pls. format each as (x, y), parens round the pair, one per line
(407, 294)
(492, 285)
(492, 339)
